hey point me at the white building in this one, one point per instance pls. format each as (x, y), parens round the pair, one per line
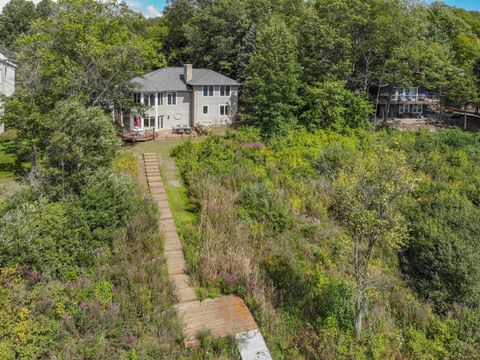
(7, 82)
(183, 97)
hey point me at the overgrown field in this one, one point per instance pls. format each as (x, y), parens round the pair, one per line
(83, 276)
(279, 223)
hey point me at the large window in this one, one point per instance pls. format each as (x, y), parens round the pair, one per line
(172, 98)
(224, 110)
(409, 92)
(160, 98)
(207, 90)
(224, 90)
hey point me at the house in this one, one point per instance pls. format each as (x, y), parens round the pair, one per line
(181, 97)
(7, 82)
(406, 102)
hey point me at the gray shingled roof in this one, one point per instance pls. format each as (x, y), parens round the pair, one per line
(171, 79)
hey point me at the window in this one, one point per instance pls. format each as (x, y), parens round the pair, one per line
(224, 110)
(160, 122)
(402, 108)
(416, 109)
(136, 98)
(172, 98)
(149, 122)
(160, 99)
(149, 99)
(205, 109)
(224, 90)
(207, 90)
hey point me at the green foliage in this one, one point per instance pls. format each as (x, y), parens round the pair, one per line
(259, 203)
(107, 201)
(95, 39)
(82, 141)
(57, 238)
(15, 19)
(330, 105)
(272, 85)
(45, 237)
(293, 235)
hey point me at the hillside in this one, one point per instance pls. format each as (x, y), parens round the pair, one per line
(346, 238)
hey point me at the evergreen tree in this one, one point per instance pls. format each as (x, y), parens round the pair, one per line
(15, 20)
(272, 85)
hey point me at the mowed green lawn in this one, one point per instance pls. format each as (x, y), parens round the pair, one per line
(180, 205)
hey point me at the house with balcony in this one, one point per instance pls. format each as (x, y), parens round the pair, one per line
(395, 102)
(174, 98)
(7, 83)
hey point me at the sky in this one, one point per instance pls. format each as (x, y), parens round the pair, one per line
(153, 8)
(150, 8)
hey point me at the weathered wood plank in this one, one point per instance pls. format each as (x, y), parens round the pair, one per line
(223, 316)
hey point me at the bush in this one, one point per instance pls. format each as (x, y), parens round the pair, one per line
(48, 237)
(108, 200)
(258, 203)
(443, 256)
(330, 105)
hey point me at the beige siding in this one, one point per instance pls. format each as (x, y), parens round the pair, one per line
(7, 85)
(213, 103)
(173, 115)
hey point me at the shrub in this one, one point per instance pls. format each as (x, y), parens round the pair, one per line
(108, 200)
(49, 237)
(259, 203)
(443, 254)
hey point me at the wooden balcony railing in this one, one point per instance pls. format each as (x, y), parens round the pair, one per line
(411, 99)
(138, 134)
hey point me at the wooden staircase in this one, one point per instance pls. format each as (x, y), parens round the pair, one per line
(223, 316)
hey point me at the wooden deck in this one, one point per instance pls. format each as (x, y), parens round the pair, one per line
(132, 136)
(223, 316)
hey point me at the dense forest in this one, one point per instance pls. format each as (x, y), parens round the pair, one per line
(346, 241)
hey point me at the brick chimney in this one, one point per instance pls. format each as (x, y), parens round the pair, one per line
(188, 72)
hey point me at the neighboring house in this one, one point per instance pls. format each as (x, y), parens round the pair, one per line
(183, 97)
(7, 82)
(406, 102)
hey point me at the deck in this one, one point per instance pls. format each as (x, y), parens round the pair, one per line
(222, 316)
(152, 134)
(419, 100)
(137, 136)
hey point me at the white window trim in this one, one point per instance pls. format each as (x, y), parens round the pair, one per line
(208, 86)
(172, 92)
(225, 106)
(225, 90)
(203, 108)
(418, 107)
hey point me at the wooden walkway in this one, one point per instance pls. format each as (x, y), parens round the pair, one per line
(223, 316)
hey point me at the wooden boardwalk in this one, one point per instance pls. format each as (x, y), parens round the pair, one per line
(223, 316)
